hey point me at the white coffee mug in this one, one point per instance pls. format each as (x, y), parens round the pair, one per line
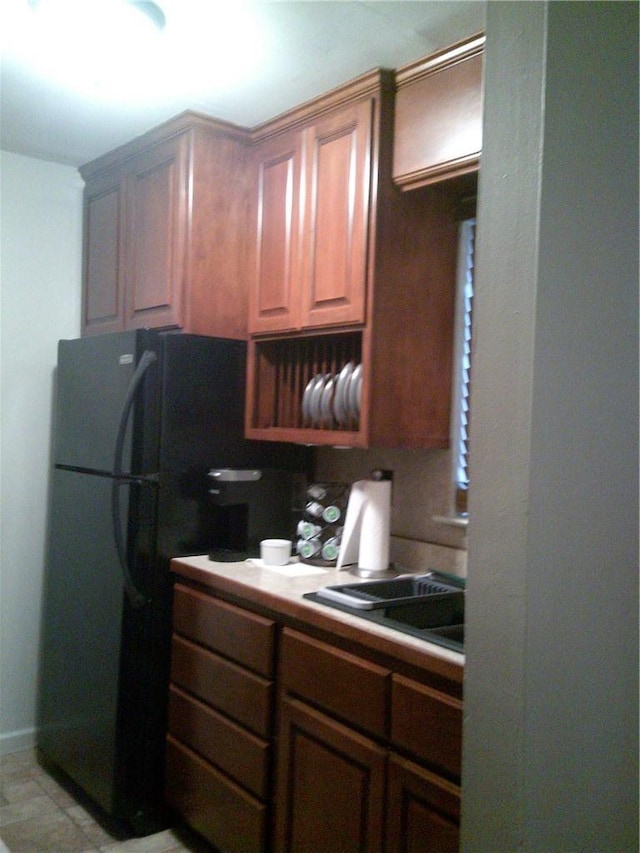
(275, 552)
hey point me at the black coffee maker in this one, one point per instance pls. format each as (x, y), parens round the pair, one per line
(248, 505)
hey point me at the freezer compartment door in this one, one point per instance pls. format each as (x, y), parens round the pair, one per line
(81, 636)
(93, 379)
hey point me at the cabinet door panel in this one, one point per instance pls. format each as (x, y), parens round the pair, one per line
(423, 811)
(103, 309)
(156, 236)
(273, 305)
(330, 785)
(338, 187)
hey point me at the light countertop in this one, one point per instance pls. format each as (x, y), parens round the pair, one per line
(281, 588)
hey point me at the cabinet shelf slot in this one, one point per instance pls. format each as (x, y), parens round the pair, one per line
(283, 371)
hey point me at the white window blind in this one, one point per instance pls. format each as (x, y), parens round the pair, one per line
(462, 376)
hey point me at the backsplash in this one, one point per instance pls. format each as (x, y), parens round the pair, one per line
(421, 489)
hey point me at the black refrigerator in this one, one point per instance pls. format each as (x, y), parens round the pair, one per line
(140, 418)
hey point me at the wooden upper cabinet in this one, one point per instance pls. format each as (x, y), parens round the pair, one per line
(338, 146)
(274, 305)
(103, 291)
(165, 240)
(438, 121)
(373, 290)
(155, 245)
(312, 223)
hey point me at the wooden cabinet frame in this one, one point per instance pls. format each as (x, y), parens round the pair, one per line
(438, 123)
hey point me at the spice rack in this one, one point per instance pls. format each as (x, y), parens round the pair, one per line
(319, 531)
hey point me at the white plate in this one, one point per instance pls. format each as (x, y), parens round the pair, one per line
(316, 399)
(310, 391)
(327, 397)
(306, 399)
(339, 398)
(346, 399)
(355, 392)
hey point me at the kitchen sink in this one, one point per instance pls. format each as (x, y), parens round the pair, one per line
(439, 619)
(429, 606)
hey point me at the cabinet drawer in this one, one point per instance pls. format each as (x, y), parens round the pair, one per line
(238, 634)
(237, 752)
(241, 695)
(427, 723)
(212, 804)
(341, 683)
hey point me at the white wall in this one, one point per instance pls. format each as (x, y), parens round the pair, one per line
(40, 275)
(551, 681)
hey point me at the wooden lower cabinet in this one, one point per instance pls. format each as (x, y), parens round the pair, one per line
(423, 810)
(428, 723)
(342, 790)
(330, 785)
(279, 740)
(220, 724)
(212, 804)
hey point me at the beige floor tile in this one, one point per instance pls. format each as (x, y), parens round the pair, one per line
(18, 767)
(26, 810)
(161, 842)
(18, 791)
(52, 833)
(18, 760)
(39, 815)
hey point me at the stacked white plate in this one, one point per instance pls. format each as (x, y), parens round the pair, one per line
(331, 400)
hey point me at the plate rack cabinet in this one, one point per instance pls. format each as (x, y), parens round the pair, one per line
(348, 268)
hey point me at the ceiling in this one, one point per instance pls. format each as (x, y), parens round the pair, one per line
(302, 49)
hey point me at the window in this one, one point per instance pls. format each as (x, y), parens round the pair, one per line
(462, 361)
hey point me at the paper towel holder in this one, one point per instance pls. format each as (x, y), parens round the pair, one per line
(375, 574)
(370, 574)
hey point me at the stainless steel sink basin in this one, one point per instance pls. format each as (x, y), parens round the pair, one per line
(429, 606)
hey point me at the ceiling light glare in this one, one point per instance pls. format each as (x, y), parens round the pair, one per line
(127, 51)
(106, 48)
(211, 45)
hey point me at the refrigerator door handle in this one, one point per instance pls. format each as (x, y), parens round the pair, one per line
(120, 478)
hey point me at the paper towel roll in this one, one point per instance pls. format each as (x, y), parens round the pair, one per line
(365, 538)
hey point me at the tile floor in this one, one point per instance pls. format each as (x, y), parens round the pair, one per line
(39, 814)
